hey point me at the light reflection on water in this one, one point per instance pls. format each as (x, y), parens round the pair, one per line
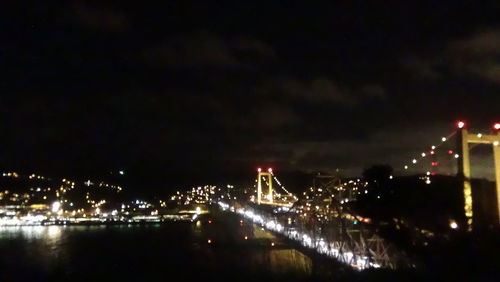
(129, 250)
(49, 233)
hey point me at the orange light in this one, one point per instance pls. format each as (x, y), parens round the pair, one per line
(259, 169)
(272, 244)
(246, 237)
(460, 124)
(496, 126)
(270, 170)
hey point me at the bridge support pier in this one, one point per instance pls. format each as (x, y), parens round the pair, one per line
(269, 176)
(464, 139)
(496, 153)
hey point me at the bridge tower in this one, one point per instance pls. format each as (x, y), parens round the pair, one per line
(269, 175)
(464, 139)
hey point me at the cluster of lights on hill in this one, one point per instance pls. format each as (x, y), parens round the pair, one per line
(36, 194)
(198, 195)
(317, 202)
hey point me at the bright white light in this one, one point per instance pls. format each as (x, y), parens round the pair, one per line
(423, 155)
(457, 156)
(443, 139)
(271, 225)
(56, 206)
(479, 135)
(198, 210)
(496, 143)
(414, 161)
(433, 147)
(406, 167)
(122, 172)
(453, 225)
(54, 231)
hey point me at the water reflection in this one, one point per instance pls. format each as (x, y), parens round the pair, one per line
(52, 233)
(124, 251)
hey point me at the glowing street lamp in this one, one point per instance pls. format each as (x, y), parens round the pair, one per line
(453, 225)
(56, 206)
(259, 169)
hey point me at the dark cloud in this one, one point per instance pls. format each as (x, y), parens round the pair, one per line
(420, 68)
(100, 18)
(480, 44)
(320, 90)
(200, 88)
(472, 56)
(205, 50)
(478, 55)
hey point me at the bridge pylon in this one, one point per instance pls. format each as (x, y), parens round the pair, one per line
(464, 139)
(269, 175)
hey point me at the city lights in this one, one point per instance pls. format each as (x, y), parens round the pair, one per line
(55, 207)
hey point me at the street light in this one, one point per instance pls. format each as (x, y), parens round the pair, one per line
(56, 206)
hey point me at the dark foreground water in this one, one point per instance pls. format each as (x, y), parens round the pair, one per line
(163, 252)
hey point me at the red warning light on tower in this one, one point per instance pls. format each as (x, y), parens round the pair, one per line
(259, 169)
(270, 170)
(460, 124)
(496, 126)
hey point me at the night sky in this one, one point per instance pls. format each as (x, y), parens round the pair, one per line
(204, 91)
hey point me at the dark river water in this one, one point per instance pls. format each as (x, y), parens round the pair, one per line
(175, 251)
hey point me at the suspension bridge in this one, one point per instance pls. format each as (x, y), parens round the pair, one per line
(321, 218)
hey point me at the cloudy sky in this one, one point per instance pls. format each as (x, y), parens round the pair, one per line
(214, 89)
